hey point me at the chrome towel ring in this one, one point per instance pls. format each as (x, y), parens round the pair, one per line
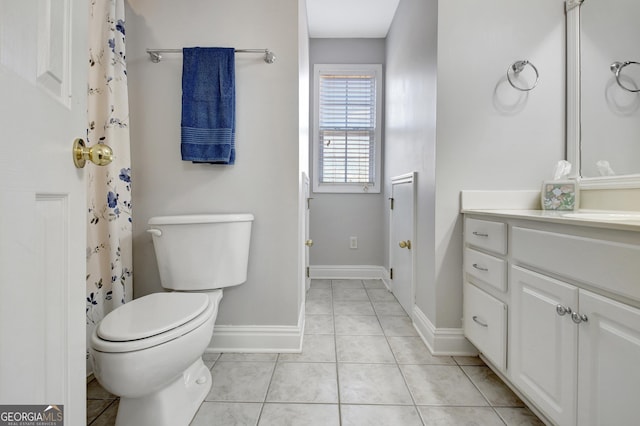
(617, 67)
(517, 68)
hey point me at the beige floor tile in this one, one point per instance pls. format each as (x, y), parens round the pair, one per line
(318, 324)
(300, 415)
(345, 307)
(315, 348)
(227, 413)
(236, 381)
(388, 308)
(364, 349)
(467, 416)
(95, 407)
(518, 417)
(357, 325)
(441, 385)
(397, 326)
(318, 307)
(346, 284)
(319, 294)
(379, 415)
(108, 417)
(96, 391)
(320, 284)
(380, 295)
(468, 360)
(304, 382)
(372, 384)
(492, 387)
(352, 294)
(373, 284)
(412, 350)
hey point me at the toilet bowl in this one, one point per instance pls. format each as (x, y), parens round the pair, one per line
(149, 351)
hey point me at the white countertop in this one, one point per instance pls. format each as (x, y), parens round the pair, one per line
(621, 220)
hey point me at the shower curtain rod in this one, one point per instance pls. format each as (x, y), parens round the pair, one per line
(155, 54)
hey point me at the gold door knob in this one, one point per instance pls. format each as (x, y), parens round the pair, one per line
(405, 244)
(308, 243)
(99, 154)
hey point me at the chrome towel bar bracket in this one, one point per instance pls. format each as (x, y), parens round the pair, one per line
(617, 67)
(516, 68)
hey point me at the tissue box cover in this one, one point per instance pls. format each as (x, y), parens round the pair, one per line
(559, 195)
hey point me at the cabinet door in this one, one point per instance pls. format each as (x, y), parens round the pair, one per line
(608, 372)
(543, 344)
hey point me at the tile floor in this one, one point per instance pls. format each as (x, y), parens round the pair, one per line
(362, 363)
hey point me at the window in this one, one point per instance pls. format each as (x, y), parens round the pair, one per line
(347, 128)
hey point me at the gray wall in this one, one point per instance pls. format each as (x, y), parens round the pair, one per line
(487, 135)
(336, 217)
(411, 126)
(266, 178)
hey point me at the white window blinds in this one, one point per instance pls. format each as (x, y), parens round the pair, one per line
(347, 127)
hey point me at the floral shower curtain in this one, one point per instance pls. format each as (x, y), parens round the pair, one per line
(109, 236)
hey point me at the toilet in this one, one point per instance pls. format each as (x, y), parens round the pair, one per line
(149, 351)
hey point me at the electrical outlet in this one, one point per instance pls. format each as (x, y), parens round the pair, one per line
(353, 242)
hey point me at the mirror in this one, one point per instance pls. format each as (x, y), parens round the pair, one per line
(603, 107)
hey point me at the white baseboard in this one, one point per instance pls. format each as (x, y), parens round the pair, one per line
(347, 272)
(258, 338)
(442, 341)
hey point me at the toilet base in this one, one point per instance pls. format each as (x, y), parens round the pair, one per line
(174, 405)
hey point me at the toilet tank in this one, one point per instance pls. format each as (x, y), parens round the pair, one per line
(201, 252)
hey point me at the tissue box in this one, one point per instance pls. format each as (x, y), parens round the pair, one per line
(559, 195)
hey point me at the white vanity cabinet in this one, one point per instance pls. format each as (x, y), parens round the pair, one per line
(608, 353)
(484, 290)
(543, 345)
(573, 326)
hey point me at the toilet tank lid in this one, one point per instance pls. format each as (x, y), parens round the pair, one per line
(201, 218)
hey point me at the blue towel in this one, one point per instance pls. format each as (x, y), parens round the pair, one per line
(208, 105)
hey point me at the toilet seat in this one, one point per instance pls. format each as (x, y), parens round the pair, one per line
(154, 319)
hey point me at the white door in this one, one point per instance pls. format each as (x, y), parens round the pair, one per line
(608, 373)
(543, 344)
(43, 89)
(308, 241)
(402, 239)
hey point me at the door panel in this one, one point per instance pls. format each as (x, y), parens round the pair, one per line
(608, 358)
(402, 240)
(42, 204)
(542, 344)
(308, 241)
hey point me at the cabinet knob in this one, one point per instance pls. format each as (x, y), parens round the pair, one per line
(577, 318)
(562, 310)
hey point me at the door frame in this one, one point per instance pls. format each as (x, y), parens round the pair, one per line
(407, 178)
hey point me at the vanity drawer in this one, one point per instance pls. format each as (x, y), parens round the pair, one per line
(486, 234)
(608, 265)
(486, 268)
(485, 324)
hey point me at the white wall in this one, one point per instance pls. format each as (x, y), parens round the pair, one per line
(265, 179)
(490, 136)
(487, 135)
(336, 217)
(411, 127)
